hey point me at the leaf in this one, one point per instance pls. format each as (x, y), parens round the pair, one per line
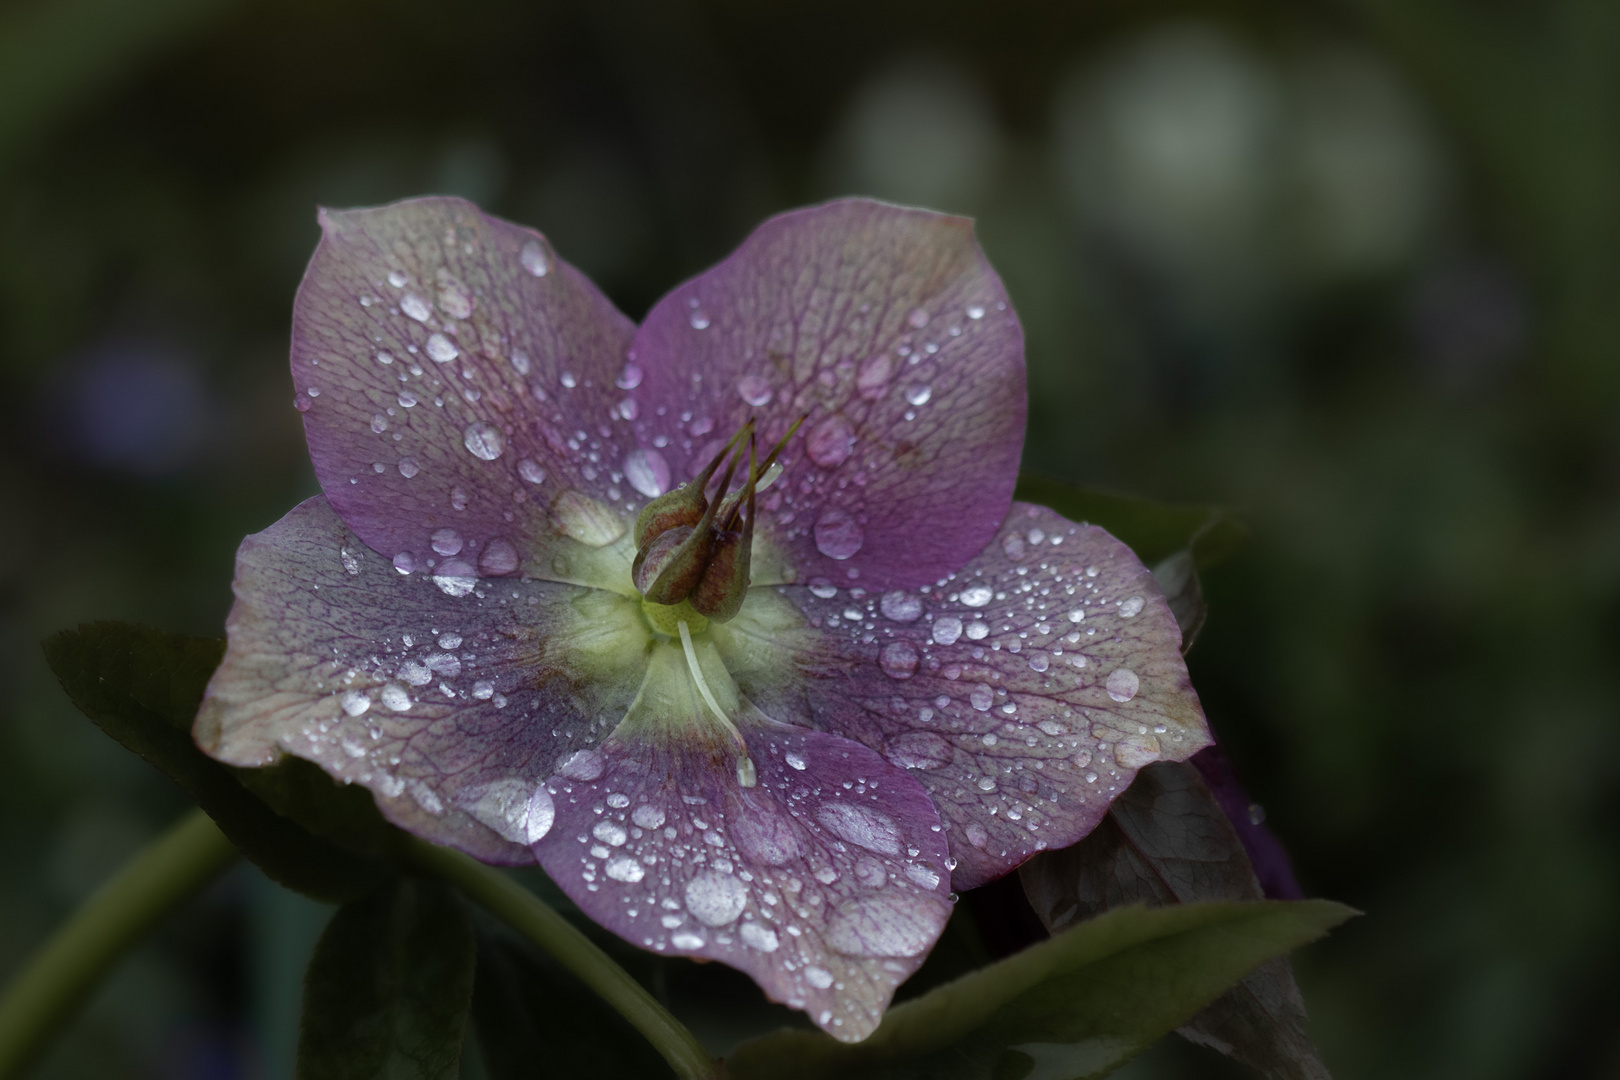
(1154, 530)
(1074, 1007)
(1177, 577)
(142, 687)
(1167, 841)
(529, 1010)
(389, 986)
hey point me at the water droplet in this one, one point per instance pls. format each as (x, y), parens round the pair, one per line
(404, 563)
(699, 321)
(976, 835)
(715, 899)
(447, 542)
(1012, 545)
(977, 631)
(629, 378)
(1077, 615)
(355, 703)
(454, 299)
(647, 472)
(624, 868)
(822, 588)
(1257, 814)
(569, 380)
(351, 565)
(975, 311)
(1122, 684)
(982, 697)
(757, 936)
(918, 319)
(531, 471)
(831, 442)
(533, 258)
(874, 375)
(1131, 607)
(449, 641)
(415, 307)
(1039, 661)
(455, 577)
(919, 395)
(901, 606)
(379, 423)
(687, 940)
(408, 467)
(820, 978)
(861, 825)
(397, 279)
(394, 696)
(947, 628)
(584, 765)
(925, 877)
(919, 750)
(754, 390)
(440, 350)
(838, 534)
(520, 361)
(898, 660)
(498, 558)
(483, 440)
(795, 759)
(987, 784)
(977, 596)
(406, 399)
(610, 832)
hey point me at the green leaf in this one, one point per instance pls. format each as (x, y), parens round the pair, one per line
(142, 687)
(1074, 1007)
(1154, 530)
(387, 992)
(1167, 841)
(530, 1012)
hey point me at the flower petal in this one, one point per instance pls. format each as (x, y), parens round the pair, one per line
(449, 699)
(1023, 692)
(457, 384)
(890, 330)
(825, 881)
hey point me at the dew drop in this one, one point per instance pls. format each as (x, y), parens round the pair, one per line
(757, 936)
(975, 311)
(454, 577)
(715, 899)
(520, 361)
(415, 307)
(977, 596)
(901, 606)
(351, 564)
(831, 442)
(610, 832)
(795, 759)
(498, 558)
(1122, 684)
(838, 534)
(408, 467)
(648, 816)
(874, 375)
(624, 868)
(397, 279)
(687, 940)
(982, 697)
(917, 319)
(454, 299)
(822, 588)
(404, 563)
(699, 321)
(379, 423)
(976, 835)
(394, 696)
(754, 390)
(447, 542)
(919, 395)
(947, 628)
(898, 660)
(355, 703)
(861, 825)
(977, 631)
(647, 472)
(440, 350)
(533, 258)
(531, 471)
(629, 378)
(406, 399)
(1131, 607)
(820, 978)
(483, 440)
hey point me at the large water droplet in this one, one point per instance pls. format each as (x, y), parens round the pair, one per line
(531, 471)
(874, 375)
(898, 660)
(861, 825)
(447, 542)
(715, 898)
(977, 596)
(648, 816)
(918, 319)
(947, 628)
(355, 703)
(1122, 684)
(699, 320)
(629, 378)
(520, 361)
(415, 307)
(397, 279)
(483, 440)
(408, 467)
(498, 558)
(754, 390)
(758, 936)
(585, 765)
(838, 534)
(440, 350)
(533, 258)
(395, 697)
(687, 940)
(831, 442)
(1131, 607)
(818, 977)
(647, 472)
(624, 868)
(919, 750)
(404, 563)
(454, 577)
(919, 395)
(982, 697)
(541, 813)
(454, 299)
(610, 832)
(901, 606)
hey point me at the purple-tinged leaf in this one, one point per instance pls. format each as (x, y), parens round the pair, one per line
(457, 382)
(1167, 841)
(824, 879)
(1023, 691)
(889, 329)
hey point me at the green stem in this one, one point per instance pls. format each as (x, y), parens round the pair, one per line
(537, 921)
(61, 975)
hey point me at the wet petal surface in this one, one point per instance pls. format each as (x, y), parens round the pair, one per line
(891, 331)
(451, 700)
(825, 880)
(457, 382)
(1023, 692)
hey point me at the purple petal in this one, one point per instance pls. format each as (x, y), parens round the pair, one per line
(825, 881)
(891, 331)
(1023, 692)
(436, 700)
(456, 380)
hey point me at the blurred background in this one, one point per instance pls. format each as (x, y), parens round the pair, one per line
(1349, 268)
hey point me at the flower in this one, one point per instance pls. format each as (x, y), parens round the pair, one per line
(917, 685)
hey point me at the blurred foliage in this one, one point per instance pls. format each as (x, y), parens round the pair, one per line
(1348, 268)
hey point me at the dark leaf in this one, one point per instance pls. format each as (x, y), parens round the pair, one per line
(387, 992)
(1167, 841)
(1153, 530)
(142, 687)
(1177, 577)
(534, 1018)
(1074, 1007)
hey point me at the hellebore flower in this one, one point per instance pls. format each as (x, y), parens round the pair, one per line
(771, 717)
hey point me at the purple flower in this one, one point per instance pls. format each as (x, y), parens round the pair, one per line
(867, 680)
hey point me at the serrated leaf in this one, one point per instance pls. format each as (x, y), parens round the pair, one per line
(388, 989)
(142, 687)
(529, 1010)
(1154, 530)
(1167, 841)
(1071, 1008)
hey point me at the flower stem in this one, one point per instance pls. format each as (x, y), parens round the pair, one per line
(44, 994)
(537, 921)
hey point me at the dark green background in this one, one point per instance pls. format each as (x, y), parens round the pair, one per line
(1347, 268)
